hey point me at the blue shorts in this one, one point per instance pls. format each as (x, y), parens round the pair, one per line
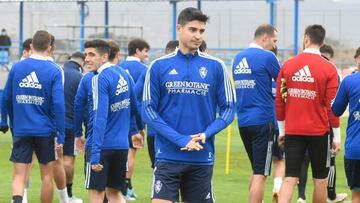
(113, 173)
(69, 144)
(193, 181)
(23, 148)
(258, 141)
(352, 171)
(278, 153)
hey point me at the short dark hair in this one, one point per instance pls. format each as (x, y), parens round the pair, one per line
(265, 29)
(137, 44)
(26, 44)
(100, 45)
(203, 46)
(327, 49)
(114, 49)
(171, 46)
(316, 33)
(41, 40)
(357, 53)
(191, 14)
(78, 55)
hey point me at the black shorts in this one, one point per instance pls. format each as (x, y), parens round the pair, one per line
(352, 171)
(258, 141)
(23, 148)
(193, 181)
(69, 144)
(319, 153)
(278, 153)
(151, 149)
(113, 173)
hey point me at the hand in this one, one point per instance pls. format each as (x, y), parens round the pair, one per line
(142, 132)
(4, 128)
(281, 141)
(97, 167)
(192, 145)
(335, 148)
(59, 149)
(198, 137)
(79, 144)
(137, 140)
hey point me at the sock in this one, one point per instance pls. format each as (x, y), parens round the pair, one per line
(25, 195)
(69, 189)
(17, 199)
(277, 183)
(128, 181)
(63, 196)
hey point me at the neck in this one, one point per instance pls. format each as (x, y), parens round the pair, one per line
(186, 50)
(258, 42)
(40, 53)
(313, 46)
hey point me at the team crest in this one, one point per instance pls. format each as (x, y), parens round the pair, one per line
(356, 115)
(203, 72)
(158, 186)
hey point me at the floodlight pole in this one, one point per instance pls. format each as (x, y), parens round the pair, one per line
(174, 3)
(82, 25)
(106, 33)
(21, 27)
(199, 4)
(296, 27)
(272, 12)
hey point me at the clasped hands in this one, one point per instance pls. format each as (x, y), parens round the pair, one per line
(194, 143)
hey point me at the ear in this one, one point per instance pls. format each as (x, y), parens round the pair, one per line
(179, 28)
(105, 58)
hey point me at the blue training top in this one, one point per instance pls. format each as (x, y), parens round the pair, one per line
(181, 95)
(349, 93)
(114, 103)
(34, 96)
(253, 71)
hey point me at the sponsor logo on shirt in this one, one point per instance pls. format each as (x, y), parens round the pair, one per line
(173, 72)
(356, 115)
(29, 99)
(123, 104)
(303, 75)
(245, 84)
(242, 67)
(30, 81)
(122, 86)
(302, 93)
(203, 72)
(187, 87)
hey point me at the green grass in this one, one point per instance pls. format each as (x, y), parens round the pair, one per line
(228, 188)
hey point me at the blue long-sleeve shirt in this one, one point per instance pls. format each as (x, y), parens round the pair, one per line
(253, 70)
(83, 101)
(349, 93)
(114, 104)
(34, 96)
(181, 95)
(72, 79)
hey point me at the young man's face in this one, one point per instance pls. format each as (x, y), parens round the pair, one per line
(93, 59)
(143, 54)
(357, 60)
(191, 34)
(271, 41)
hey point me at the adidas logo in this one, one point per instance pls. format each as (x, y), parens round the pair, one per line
(30, 81)
(303, 75)
(122, 86)
(173, 72)
(208, 196)
(242, 67)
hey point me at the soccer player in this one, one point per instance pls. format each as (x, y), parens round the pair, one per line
(110, 126)
(26, 49)
(311, 83)
(134, 64)
(253, 71)
(171, 46)
(357, 59)
(181, 95)
(349, 93)
(72, 73)
(34, 92)
(328, 53)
